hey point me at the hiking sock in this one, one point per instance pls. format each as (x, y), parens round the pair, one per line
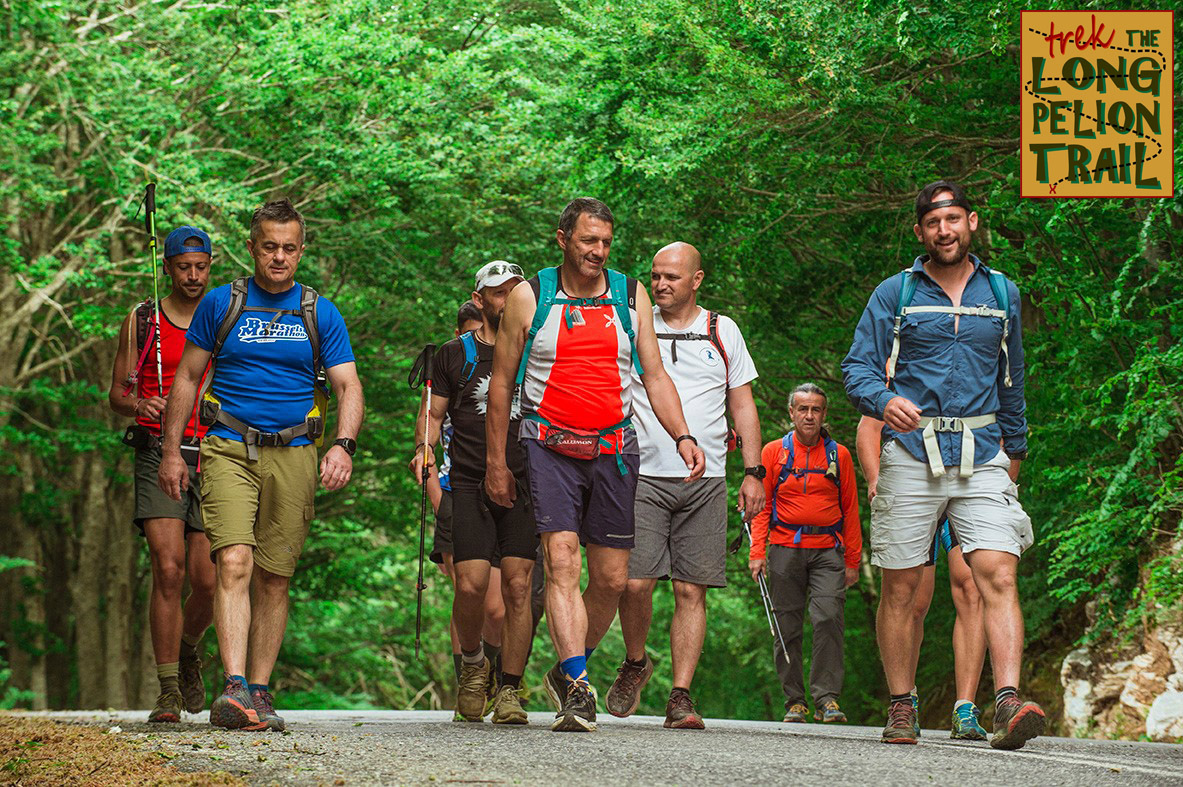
(189, 645)
(240, 678)
(493, 654)
(168, 674)
(587, 653)
(900, 698)
(514, 681)
(638, 664)
(1004, 693)
(959, 703)
(574, 668)
(456, 659)
(475, 657)
(258, 687)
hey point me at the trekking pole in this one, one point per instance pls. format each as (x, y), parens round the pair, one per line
(765, 595)
(150, 226)
(421, 373)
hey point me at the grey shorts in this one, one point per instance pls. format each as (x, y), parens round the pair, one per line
(681, 531)
(983, 509)
(151, 503)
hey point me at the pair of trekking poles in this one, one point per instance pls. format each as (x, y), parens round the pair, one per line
(765, 594)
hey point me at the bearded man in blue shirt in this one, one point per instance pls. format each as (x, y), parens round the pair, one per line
(272, 342)
(938, 356)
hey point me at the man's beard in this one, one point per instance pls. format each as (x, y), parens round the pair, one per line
(493, 320)
(948, 259)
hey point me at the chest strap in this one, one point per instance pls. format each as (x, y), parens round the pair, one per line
(964, 425)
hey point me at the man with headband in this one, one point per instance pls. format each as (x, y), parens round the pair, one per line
(938, 357)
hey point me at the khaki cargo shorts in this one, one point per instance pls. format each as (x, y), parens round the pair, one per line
(266, 503)
(983, 509)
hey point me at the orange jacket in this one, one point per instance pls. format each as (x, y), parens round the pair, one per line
(811, 499)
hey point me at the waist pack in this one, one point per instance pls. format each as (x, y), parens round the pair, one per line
(137, 436)
(575, 443)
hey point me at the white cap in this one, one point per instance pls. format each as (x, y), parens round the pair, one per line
(496, 273)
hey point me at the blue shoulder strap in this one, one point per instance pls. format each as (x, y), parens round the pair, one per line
(998, 285)
(468, 342)
(548, 286)
(618, 287)
(907, 291)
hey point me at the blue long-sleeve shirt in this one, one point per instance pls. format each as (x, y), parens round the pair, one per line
(943, 373)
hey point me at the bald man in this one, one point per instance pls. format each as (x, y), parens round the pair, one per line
(681, 527)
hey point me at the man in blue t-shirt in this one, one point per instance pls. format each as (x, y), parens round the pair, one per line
(258, 460)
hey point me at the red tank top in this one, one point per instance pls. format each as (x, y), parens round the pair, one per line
(172, 344)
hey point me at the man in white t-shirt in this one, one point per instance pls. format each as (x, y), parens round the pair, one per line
(681, 527)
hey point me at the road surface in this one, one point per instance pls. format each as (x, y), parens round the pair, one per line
(426, 747)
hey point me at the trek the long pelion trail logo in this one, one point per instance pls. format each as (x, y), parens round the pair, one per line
(1098, 108)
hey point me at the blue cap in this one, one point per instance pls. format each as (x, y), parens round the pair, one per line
(174, 244)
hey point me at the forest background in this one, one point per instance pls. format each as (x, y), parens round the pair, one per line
(785, 139)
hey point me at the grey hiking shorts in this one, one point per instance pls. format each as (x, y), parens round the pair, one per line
(983, 509)
(681, 531)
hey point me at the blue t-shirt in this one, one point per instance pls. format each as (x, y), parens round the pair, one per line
(264, 379)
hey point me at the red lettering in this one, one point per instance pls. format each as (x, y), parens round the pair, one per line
(1077, 36)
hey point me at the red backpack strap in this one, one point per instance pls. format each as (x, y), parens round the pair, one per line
(713, 335)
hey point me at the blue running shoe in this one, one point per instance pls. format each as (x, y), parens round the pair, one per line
(966, 726)
(915, 713)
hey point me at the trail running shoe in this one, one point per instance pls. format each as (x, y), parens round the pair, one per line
(915, 712)
(680, 713)
(492, 686)
(901, 723)
(265, 706)
(1015, 723)
(578, 713)
(168, 707)
(556, 683)
(829, 713)
(796, 714)
(234, 710)
(470, 692)
(192, 686)
(507, 707)
(625, 695)
(966, 723)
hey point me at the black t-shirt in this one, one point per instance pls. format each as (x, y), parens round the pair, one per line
(467, 406)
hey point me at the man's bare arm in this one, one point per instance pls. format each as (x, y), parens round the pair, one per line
(507, 355)
(173, 475)
(336, 468)
(867, 444)
(747, 424)
(123, 405)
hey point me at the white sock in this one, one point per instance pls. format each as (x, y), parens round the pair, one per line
(959, 703)
(476, 657)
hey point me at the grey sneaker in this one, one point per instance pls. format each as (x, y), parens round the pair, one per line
(1015, 723)
(625, 695)
(901, 723)
(829, 713)
(796, 714)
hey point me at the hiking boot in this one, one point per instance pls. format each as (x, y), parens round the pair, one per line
(492, 688)
(966, 723)
(796, 714)
(578, 713)
(1015, 723)
(192, 686)
(556, 683)
(680, 713)
(470, 693)
(168, 707)
(507, 707)
(915, 712)
(234, 710)
(829, 713)
(901, 723)
(625, 695)
(265, 706)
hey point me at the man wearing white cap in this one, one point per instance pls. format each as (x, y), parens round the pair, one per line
(463, 368)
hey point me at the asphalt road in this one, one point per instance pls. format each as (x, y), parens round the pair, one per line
(422, 747)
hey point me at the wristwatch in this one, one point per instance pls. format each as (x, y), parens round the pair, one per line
(759, 471)
(349, 444)
(1017, 455)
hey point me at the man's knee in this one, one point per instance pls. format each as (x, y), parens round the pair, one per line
(612, 580)
(563, 562)
(687, 595)
(965, 593)
(516, 588)
(997, 582)
(270, 582)
(825, 612)
(470, 586)
(235, 564)
(168, 574)
(899, 588)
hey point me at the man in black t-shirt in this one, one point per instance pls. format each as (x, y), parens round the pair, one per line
(463, 368)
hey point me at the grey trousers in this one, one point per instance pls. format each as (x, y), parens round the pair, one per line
(821, 574)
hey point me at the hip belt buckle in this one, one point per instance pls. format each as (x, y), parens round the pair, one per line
(943, 424)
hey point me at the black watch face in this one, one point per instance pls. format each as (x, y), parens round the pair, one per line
(350, 446)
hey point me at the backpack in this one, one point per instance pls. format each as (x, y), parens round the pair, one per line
(832, 472)
(211, 409)
(908, 282)
(712, 335)
(468, 342)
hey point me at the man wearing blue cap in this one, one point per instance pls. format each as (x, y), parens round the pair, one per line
(150, 345)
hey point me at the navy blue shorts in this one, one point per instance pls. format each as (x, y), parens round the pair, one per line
(945, 539)
(585, 496)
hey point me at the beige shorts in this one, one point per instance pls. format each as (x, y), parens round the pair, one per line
(983, 509)
(266, 503)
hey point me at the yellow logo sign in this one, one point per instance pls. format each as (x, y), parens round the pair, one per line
(1097, 104)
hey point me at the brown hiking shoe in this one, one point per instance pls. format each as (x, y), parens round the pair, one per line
(470, 692)
(192, 686)
(625, 694)
(1015, 723)
(168, 707)
(796, 714)
(901, 720)
(507, 707)
(829, 713)
(680, 713)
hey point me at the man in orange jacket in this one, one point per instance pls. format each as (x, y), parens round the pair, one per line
(811, 519)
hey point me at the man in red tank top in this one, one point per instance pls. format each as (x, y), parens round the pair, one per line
(581, 450)
(147, 357)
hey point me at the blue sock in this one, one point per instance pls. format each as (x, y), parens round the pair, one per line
(240, 678)
(258, 687)
(587, 653)
(574, 668)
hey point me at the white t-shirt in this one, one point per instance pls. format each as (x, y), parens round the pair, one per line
(702, 380)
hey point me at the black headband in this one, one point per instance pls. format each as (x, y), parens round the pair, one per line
(926, 208)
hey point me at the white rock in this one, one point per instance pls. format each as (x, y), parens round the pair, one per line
(1165, 720)
(114, 730)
